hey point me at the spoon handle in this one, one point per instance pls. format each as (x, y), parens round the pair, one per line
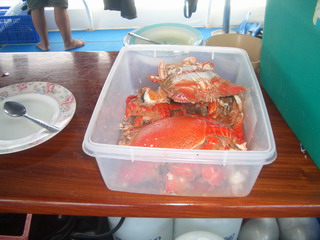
(143, 38)
(47, 126)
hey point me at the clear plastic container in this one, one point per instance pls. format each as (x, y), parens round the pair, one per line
(136, 169)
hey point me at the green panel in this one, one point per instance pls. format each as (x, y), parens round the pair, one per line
(290, 68)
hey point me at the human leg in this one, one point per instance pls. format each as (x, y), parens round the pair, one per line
(63, 22)
(40, 24)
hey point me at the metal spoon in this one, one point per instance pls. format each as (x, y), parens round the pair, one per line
(15, 109)
(143, 38)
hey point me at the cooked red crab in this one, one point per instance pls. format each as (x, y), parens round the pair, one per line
(186, 177)
(146, 107)
(226, 110)
(194, 108)
(149, 106)
(191, 82)
(188, 132)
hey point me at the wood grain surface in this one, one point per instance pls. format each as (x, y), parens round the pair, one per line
(57, 177)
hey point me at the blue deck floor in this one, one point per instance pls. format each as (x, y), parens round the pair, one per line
(98, 40)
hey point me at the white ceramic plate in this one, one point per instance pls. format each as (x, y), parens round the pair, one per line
(167, 33)
(47, 101)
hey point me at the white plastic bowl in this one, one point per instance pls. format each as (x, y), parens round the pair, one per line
(199, 235)
(167, 33)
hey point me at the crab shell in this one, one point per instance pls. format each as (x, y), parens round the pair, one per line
(192, 82)
(149, 106)
(187, 132)
(199, 87)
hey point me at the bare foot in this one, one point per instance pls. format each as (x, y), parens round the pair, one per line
(74, 44)
(42, 46)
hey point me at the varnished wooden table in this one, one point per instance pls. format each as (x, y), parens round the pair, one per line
(57, 177)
